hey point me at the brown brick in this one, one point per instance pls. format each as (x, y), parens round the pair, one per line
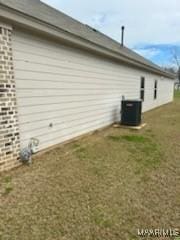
(9, 134)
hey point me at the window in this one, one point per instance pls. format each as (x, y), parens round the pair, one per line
(155, 89)
(142, 91)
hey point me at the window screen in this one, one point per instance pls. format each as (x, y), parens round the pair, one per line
(142, 90)
(155, 89)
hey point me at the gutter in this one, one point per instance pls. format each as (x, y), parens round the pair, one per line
(18, 18)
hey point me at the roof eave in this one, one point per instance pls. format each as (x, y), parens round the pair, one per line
(24, 20)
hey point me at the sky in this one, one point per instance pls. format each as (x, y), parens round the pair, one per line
(152, 28)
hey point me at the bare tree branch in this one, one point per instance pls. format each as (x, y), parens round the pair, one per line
(176, 60)
(176, 57)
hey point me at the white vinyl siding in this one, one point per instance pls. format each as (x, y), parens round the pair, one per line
(72, 89)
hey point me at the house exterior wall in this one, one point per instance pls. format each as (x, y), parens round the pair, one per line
(165, 91)
(9, 129)
(64, 92)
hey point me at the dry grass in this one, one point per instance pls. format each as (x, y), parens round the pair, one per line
(102, 187)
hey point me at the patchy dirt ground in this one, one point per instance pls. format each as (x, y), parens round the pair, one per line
(102, 187)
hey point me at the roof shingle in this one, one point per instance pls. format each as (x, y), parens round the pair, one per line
(45, 13)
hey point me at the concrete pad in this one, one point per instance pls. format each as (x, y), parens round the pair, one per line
(119, 125)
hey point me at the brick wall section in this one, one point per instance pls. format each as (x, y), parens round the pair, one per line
(9, 131)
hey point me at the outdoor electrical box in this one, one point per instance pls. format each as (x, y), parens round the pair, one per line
(131, 112)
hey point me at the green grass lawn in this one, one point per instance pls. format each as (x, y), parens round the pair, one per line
(102, 187)
(177, 94)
